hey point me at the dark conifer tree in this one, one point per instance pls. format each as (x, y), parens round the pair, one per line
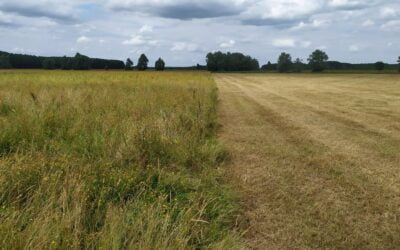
(142, 62)
(128, 64)
(160, 65)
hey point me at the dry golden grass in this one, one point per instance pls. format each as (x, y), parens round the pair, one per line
(111, 160)
(317, 156)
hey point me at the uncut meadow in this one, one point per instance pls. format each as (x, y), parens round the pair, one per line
(111, 160)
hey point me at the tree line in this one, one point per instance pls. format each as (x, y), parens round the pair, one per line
(316, 62)
(216, 61)
(78, 62)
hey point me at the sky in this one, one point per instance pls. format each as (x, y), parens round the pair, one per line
(182, 32)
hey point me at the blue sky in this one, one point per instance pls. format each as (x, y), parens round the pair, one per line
(183, 31)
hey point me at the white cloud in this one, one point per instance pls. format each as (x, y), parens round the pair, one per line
(274, 12)
(305, 44)
(319, 23)
(18, 50)
(393, 25)
(348, 3)
(290, 43)
(228, 44)
(83, 39)
(138, 40)
(146, 29)
(368, 23)
(354, 48)
(284, 43)
(183, 46)
(315, 23)
(389, 12)
(5, 19)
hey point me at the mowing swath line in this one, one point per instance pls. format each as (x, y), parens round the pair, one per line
(302, 179)
(340, 136)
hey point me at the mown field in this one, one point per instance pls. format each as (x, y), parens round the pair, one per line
(111, 160)
(317, 156)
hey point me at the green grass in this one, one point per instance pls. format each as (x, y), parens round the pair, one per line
(111, 160)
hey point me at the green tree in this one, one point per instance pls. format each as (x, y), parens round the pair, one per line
(268, 66)
(49, 63)
(298, 65)
(317, 60)
(66, 63)
(5, 62)
(160, 65)
(219, 61)
(128, 64)
(216, 61)
(398, 61)
(284, 62)
(81, 62)
(379, 66)
(142, 62)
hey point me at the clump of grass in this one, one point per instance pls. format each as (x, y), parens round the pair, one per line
(112, 160)
(6, 108)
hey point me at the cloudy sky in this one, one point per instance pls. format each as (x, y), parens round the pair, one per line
(183, 31)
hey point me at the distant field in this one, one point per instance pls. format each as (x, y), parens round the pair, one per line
(318, 158)
(111, 160)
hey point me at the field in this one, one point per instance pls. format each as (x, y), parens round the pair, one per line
(111, 160)
(317, 157)
(191, 160)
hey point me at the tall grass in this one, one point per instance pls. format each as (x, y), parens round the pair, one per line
(111, 160)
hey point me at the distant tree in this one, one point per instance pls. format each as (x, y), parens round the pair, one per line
(298, 65)
(398, 61)
(49, 63)
(215, 61)
(219, 61)
(128, 64)
(268, 66)
(160, 65)
(317, 60)
(142, 62)
(379, 66)
(81, 62)
(66, 63)
(5, 62)
(284, 62)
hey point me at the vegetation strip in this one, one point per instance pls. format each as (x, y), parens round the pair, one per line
(112, 160)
